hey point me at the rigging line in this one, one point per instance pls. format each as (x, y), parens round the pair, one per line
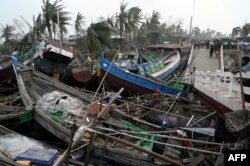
(162, 136)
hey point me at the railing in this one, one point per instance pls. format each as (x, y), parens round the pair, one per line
(221, 81)
(185, 77)
(221, 59)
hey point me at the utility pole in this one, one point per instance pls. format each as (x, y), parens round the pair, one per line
(191, 21)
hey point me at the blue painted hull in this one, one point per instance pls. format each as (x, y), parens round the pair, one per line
(161, 68)
(170, 72)
(133, 83)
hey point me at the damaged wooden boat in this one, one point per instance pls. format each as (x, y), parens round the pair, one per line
(15, 113)
(82, 71)
(49, 58)
(132, 145)
(126, 137)
(40, 91)
(6, 71)
(133, 83)
(159, 67)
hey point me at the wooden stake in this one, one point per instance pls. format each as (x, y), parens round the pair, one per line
(241, 80)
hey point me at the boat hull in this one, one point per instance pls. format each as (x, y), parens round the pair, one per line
(116, 83)
(169, 69)
(79, 79)
(52, 63)
(6, 70)
(133, 83)
(6, 74)
(30, 96)
(214, 104)
(54, 128)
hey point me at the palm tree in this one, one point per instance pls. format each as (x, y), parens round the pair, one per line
(152, 27)
(98, 36)
(50, 19)
(134, 19)
(111, 21)
(154, 21)
(142, 33)
(79, 23)
(36, 29)
(7, 32)
(123, 18)
(47, 9)
(64, 21)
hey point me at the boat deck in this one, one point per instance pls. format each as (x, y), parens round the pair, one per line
(220, 89)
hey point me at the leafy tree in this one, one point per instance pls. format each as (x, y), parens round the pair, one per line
(7, 32)
(134, 19)
(236, 31)
(154, 21)
(152, 28)
(122, 20)
(50, 18)
(196, 32)
(245, 30)
(35, 30)
(98, 36)
(79, 23)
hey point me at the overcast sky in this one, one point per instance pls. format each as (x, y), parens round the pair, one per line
(220, 15)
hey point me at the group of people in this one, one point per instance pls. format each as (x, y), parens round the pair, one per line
(215, 47)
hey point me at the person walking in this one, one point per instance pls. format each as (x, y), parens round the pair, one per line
(211, 49)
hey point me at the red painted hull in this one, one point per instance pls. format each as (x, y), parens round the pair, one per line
(213, 104)
(80, 78)
(83, 76)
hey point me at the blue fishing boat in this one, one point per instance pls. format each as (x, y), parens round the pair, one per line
(160, 68)
(133, 83)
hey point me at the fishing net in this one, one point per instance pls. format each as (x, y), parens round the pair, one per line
(13, 144)
(238, 122)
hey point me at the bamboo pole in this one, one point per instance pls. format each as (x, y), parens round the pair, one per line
(100, 85)
(241, 80)
(173, 103)
(110, 102)
(203, 118)
(166, 144)
(163, 136)
(153, 109)
(156, 155)
(137, 119)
